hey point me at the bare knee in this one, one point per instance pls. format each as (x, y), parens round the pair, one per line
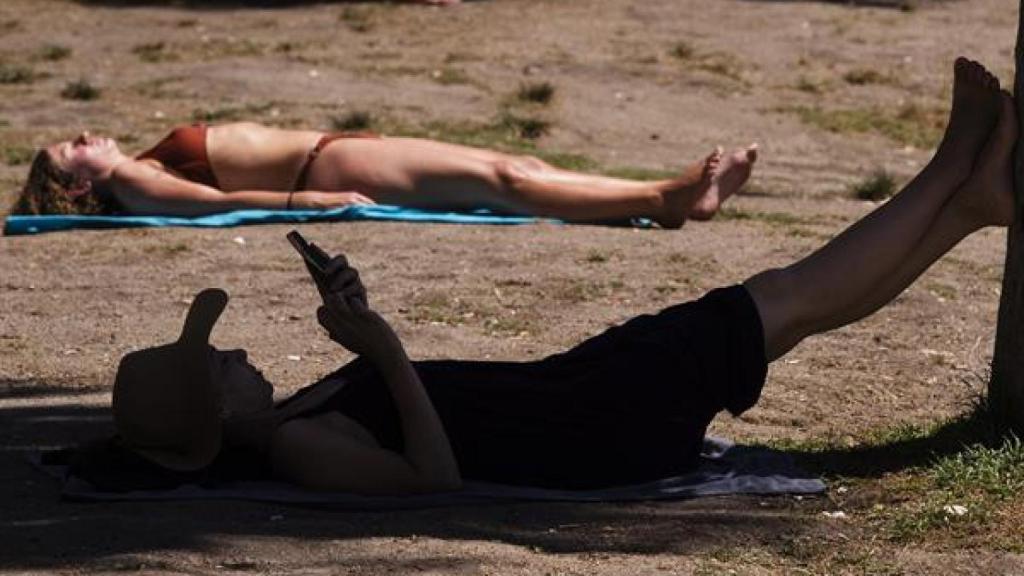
(518, 173)
(784, 309)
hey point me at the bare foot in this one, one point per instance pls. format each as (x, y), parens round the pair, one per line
(972, 118)
(680, 195)
(987, 197)
(730, 175)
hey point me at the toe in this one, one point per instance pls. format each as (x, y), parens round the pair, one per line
(751, 152)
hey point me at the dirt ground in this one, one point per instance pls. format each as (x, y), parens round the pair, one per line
(832, 92)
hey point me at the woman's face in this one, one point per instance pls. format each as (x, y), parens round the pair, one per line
(88, 157)
(244, 391)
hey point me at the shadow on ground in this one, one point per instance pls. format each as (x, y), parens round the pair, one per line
(895, 4)
(41, 532)
(913, 450)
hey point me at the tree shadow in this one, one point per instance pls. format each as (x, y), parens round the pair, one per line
(214, 5)
(41, 532)
(878, 459)
(11, 388)
(905, 5)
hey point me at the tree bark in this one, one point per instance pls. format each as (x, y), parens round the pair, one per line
(1006, 387)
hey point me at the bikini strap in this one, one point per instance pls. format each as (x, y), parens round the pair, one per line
(300, 181)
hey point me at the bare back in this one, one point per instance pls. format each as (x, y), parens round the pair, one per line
(250, 156)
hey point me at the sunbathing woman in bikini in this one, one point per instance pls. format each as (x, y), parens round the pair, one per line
(203, 169)
(626, 406)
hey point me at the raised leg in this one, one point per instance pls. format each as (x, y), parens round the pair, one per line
(876, 258)
(424, 173)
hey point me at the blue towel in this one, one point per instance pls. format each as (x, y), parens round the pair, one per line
(725, 468)
(17, 224)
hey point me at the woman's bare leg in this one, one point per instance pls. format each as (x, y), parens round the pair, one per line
(429, 174)
(876, 258)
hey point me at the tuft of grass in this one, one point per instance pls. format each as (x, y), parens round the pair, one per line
(448, 76)
(811, 86)
(9, 26)
(682, 50)
(17, 74)
(54, 52)
(169, 250)
(718, 63)
(879, 185)
(80, 90)
(525, 126)
(18, 155)
(771, 218)
(358, 19)
(353, 121)
(910, 125)
(863, 76)
(536, 92)
(230, 113)
(154, 52)
(639, 173)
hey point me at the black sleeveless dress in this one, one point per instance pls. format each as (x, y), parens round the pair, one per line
(627, 406)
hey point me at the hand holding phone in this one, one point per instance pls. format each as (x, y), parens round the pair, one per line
(315, 257)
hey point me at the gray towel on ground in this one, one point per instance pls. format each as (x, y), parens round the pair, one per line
(725, 468)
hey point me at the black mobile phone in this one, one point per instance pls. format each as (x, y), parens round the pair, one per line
(312, 253)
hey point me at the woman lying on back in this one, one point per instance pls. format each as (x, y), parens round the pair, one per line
(201, 169)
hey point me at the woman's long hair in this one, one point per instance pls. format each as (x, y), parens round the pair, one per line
(46, 192)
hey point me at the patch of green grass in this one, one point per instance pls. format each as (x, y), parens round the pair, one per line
(961, 491)
(954, 477)
(811, 85)
(358, 18)
(80, 90)
(448, 76)
(770, 218)
(566, 160)
(577, 290)
(639, 173)
(54, 52)
(230, 113)
(879, 185)
(596, 257)
(536, 92)
(153, 52)
(910, 125)
(718, 63)
(353, 121)
(230, 48)
(10, 74)
(437, 307)
(527, 127)
(169, 250)
(18, 155)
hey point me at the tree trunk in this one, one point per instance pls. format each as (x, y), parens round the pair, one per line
(1006, 388)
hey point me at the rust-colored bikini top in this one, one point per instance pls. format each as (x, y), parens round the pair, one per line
(184, 151)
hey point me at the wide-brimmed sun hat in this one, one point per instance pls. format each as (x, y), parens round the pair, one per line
(166, 407)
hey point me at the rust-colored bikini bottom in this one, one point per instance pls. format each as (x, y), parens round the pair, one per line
(300, 181)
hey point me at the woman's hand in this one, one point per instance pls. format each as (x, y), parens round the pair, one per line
(312, 200)
(346, 314)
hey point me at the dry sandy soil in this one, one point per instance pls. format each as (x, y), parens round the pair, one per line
(832, 92)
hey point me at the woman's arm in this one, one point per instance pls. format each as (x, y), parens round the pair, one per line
(145, 189)
(324, 458)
